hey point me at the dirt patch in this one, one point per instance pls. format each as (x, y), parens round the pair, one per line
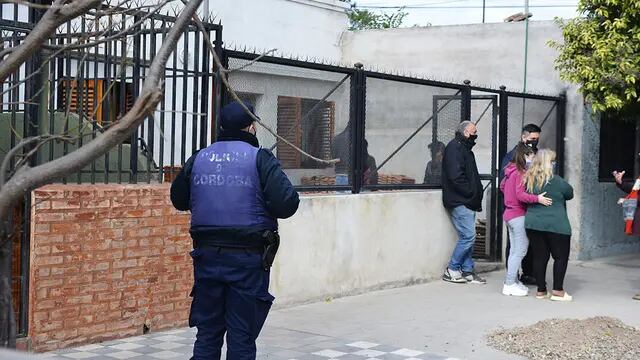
(569, 339)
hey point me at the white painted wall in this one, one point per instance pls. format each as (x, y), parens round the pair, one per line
(300, 27)
(346, 244)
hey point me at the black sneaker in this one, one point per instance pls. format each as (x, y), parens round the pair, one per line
(473, 278)
(453, 276)
(528, 280)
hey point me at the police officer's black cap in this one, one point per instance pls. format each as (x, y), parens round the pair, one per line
(233, 116)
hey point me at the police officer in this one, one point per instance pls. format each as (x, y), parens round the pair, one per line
(235, 191)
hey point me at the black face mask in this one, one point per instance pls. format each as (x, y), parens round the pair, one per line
(533, 144)
(473, 138)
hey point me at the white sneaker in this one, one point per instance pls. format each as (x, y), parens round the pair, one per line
(514, 290)
(522, 286)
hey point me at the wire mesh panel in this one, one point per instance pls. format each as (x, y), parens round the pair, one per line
(308, 108)
(407, 126)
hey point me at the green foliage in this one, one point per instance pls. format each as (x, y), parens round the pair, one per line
(365, 19)
(601, 53)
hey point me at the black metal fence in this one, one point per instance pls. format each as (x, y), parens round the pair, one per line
(388, 130)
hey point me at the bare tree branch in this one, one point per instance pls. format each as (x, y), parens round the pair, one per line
(235, 96)
(151, 94)
(30, 4)
(42, 31)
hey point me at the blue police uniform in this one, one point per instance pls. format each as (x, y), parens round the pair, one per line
(235, 192)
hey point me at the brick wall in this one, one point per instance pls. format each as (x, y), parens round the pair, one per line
(106, 260)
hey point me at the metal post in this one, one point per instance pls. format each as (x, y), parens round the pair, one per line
(484, 2)
(465, 108)
(503, 134)
(561, 128)
(133, 163)
(356, 124)
(221, 95)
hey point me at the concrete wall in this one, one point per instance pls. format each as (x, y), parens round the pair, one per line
(347, 244)
(493, 55)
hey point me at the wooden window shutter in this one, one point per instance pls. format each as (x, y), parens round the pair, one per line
(317, 132)
(93, 92)
(289, 127)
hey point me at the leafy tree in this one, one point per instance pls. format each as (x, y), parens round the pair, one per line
(601, 52)
(366, 19)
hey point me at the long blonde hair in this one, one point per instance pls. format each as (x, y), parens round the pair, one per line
(541, 170)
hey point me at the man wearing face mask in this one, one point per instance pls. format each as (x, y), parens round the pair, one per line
(235, 191)
(462, 197)
(530, 136)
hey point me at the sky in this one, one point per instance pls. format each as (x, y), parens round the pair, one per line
(449, 12)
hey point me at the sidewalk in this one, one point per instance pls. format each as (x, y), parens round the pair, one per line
(431, 321)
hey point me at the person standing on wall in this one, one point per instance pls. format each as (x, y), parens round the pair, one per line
(529, 136)
(548, 227)
(462, 197)
(626, 186)
(235, 192)
(516, 200)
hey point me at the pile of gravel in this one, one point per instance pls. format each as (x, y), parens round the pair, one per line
(569, 339)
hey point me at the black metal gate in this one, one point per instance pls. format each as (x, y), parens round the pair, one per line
(83, 80)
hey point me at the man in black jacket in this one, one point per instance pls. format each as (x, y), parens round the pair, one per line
(462, 197)
(235, 192)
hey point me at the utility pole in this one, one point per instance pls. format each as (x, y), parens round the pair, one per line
(484, 2)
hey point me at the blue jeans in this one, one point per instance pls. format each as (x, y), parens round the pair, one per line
(230, 295)
(464, 220)
(518, 250)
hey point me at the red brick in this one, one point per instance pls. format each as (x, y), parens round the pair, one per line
(137, 232)
(42, 250)
(42, 205)
(81, 216)
(126, 202)
(140, 252)
(128, 263)
(65, 204)
(49, 192)
(48, 217)
(101, 266)
(153, 201)
(65, 270)
(47, 325)
(42, 228)
(108, 275)
(150, 222)
(96, 203)
(62, 314)
(48, 239)
(79, 193)
(66, 227)
(48, 260)
(79, 279)
(79, 299)
(64, 248)
(44, 283)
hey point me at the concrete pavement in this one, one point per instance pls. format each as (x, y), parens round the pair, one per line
(437, 320)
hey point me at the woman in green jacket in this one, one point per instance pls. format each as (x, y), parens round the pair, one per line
(548, 227)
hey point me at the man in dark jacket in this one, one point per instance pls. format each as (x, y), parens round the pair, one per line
(530, 136)
(235, 192)
(462, 197)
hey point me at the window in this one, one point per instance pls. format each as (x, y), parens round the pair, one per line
(312, 132)
(92, 94)
(617, 146)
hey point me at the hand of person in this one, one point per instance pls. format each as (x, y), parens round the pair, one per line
(542, 199)
(618, 176)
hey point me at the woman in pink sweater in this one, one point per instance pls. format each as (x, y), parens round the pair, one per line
(515, 203)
